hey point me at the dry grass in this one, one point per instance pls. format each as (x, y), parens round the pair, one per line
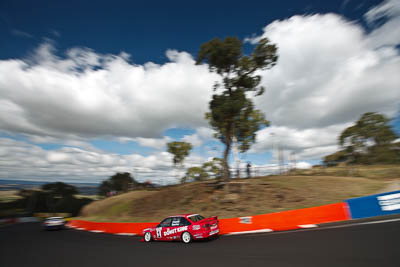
(256, 196)
(92, 197)
(383, 172)
(116, 206)
(9, 195)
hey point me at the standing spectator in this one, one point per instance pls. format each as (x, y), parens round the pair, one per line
(248, 169)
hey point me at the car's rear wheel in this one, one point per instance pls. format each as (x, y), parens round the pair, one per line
(147, 237)
(186, 237)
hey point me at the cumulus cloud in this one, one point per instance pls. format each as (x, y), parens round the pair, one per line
(193, 139)
(90, 95)
(328, 74)
(21, 160)
(198, 138)
(202, 135)
(308, 144)
(157, 143)
(70, 141)
(303, 165)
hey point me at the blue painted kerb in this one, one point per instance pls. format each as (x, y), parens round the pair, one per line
(375, 205)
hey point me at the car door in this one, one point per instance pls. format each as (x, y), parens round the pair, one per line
(171, 232)
(184, 225)
(162, 228)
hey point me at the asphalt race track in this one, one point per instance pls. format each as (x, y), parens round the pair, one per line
(375, 244)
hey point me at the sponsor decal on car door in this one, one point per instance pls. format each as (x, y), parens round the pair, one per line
(172, 232)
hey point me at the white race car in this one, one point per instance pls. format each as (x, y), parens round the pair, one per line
(54, 223)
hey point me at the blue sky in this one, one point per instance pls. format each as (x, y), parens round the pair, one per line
(90, 89)
(146, 29)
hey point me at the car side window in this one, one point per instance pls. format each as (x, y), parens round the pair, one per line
(166, 222)
(184, 222)
(176, 221)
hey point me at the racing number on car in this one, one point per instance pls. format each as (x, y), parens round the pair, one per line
(159, 232)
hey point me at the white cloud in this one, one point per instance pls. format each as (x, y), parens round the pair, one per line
(72, 141)
(327, 75)
(387, 33)
(20, 160)
(388, 8)
(205, 133)
(308, 144)
(303, 165)
(59, 157)
(93, 95)
(202, 135)
(193, 139)
(157, 143)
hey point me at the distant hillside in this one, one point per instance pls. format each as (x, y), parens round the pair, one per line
(83, 188)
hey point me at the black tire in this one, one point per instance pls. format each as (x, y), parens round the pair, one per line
(186, 237)
(147, 237)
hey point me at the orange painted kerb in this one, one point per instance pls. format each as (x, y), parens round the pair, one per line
(112, 228)
(286, 220)
(278, 221)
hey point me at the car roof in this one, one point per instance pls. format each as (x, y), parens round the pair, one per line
(183, 215)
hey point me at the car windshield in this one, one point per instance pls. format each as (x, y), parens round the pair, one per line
(196, 218)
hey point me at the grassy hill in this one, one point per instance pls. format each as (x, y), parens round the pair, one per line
(242, 197)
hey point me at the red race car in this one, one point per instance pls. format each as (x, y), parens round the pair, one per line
(184, 227)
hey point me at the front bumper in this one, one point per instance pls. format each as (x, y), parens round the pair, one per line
(54, 226)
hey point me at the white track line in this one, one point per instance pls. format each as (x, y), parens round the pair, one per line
(96, 231)
(381, 221)
(127, 234)
(307, 225)
(251, 232)
(360, 223)
(337, 226)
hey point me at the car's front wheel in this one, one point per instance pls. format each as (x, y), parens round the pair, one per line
(147, 237)
(186, 237)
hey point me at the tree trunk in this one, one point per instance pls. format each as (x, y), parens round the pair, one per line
(227, 173)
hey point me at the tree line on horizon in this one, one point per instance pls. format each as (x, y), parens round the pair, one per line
(121, 182)
(55, 197)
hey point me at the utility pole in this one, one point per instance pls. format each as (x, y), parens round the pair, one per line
(293, 160)
(281, 160)
(274, 151)
(236, 158)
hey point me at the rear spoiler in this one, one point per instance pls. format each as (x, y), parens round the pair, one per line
(210, 219)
